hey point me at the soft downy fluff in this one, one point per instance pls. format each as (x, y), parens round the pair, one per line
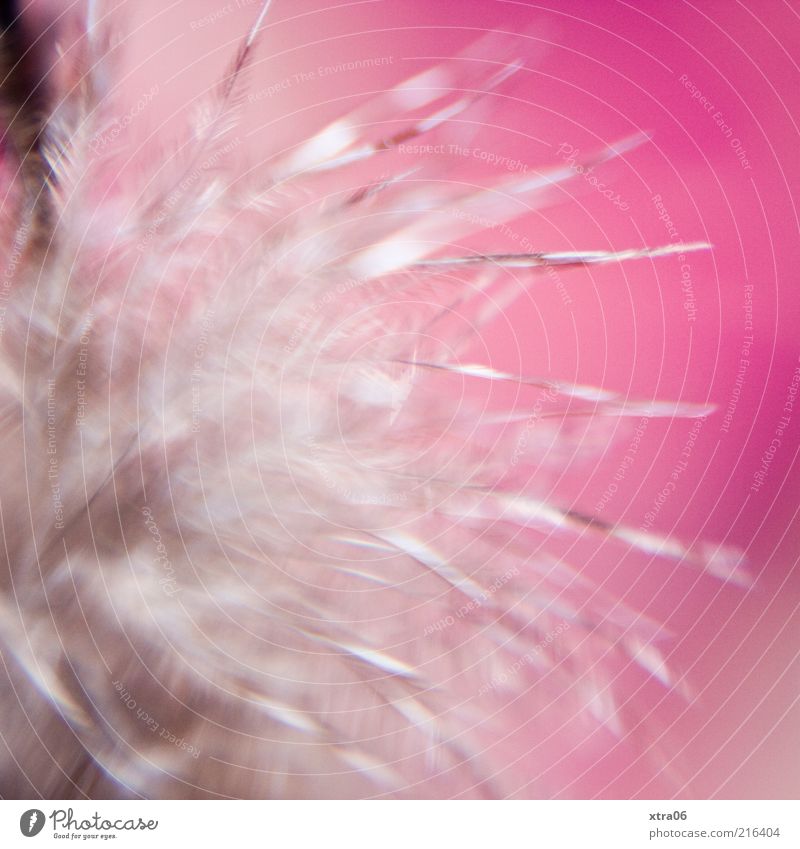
(262, 537)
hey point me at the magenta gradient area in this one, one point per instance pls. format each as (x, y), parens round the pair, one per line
(715, 86)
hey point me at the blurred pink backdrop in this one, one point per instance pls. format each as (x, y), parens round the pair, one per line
(595, 73)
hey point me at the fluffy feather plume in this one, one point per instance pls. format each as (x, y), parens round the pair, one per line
(261, 536)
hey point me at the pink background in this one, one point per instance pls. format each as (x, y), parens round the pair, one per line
(596, 72)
